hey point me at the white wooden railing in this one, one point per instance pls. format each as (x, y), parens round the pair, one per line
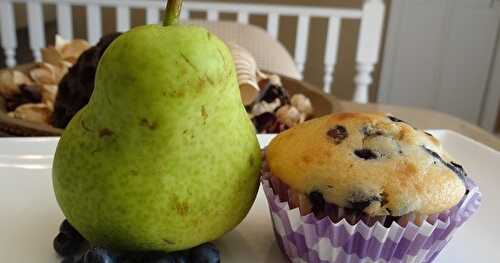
(371, 15)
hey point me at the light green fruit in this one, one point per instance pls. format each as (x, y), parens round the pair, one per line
(164, 156)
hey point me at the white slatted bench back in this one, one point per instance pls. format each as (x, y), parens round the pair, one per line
(371, 15)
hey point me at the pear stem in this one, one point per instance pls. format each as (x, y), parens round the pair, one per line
(172, 12)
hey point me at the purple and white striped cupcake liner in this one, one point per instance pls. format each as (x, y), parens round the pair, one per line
(305, 238)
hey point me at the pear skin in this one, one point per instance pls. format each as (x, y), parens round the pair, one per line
(164, 156)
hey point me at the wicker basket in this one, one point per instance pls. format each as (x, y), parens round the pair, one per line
(322, 103)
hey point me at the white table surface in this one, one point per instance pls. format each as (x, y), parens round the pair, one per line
(30, 217)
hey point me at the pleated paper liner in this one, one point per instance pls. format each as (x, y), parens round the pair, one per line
(345, 236)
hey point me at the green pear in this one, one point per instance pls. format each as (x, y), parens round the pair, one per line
(164, 156)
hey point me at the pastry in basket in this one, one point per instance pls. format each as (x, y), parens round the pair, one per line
(29, 92)
(53, 91)
(359, 187)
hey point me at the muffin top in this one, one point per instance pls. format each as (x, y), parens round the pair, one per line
(375, 163)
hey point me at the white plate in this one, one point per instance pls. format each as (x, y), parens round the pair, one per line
(30, 217)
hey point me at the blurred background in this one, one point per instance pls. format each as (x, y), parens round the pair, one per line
(434, 54)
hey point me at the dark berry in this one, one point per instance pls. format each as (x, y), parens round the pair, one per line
(359, 200)
(317, 202)
(265, 123)
(205, 253)
(271, 92)
(68, 260)
(28, 94)
(79, 259)
(31, 92)
(66, 245)
(160, 258)
(248, 108)
(458, 167)
(338, 134)
(390, 219)
(366, 154)
(360, 205)
(69, 230)
(98, 255)
(15, 101)
(177, 257)
(428, 134)
(394, 119)
(433, 153)
(455, 167)
(154, 257)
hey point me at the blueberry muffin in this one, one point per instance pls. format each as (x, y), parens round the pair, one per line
(364, 187)
(375, 163)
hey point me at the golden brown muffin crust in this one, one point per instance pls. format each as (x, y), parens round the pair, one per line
(372, 162)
